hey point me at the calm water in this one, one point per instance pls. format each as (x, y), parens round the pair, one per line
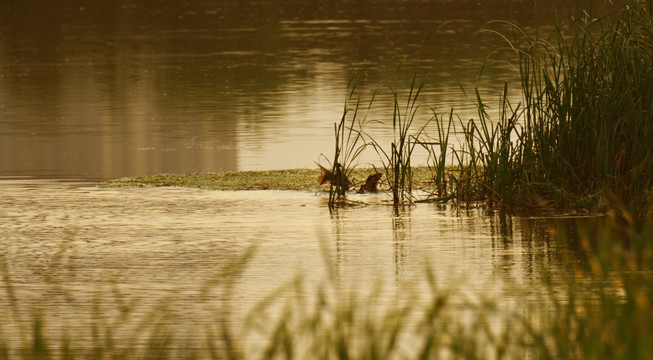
(105, 89)
(111, 89)
(67, 246)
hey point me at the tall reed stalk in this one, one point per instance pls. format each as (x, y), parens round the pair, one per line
(438, 149)
(349, 145)
(397, 160)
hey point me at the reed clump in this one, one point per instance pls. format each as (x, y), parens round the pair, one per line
(588, 105)
(349, 145)
(397, 160)
(602, 308)
(580, 138)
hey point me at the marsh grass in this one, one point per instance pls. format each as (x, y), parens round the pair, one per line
(582, 136)
(581, 139)
(598, 306)
(396, 160)
(603, 308)
(108, 323)
(373, 323)
(351, 140)
(294, 321)
(485, 164)
(349, 145)
(437, 148)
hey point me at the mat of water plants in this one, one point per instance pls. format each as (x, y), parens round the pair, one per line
(291, 179)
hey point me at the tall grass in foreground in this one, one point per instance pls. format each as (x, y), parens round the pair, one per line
(600, 307)
(604, 308)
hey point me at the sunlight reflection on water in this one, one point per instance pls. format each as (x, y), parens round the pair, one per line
(111, 90)
(154, 243)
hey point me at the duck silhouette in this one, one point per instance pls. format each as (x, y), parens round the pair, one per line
(371, 184)
(326, 176)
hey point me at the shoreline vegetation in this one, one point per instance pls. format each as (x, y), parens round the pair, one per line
(580, 138)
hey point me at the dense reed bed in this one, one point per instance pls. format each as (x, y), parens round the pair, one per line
(584, 135)
(580, 138)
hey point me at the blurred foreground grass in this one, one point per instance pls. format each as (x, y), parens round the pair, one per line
(598, 307)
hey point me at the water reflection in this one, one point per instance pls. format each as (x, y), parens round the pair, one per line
(66, 245)
(109, 89)
(401, 234)
(486, 252)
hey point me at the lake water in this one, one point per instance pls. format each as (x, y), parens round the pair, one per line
(112, 89)
(99, 90)
(70, 246)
